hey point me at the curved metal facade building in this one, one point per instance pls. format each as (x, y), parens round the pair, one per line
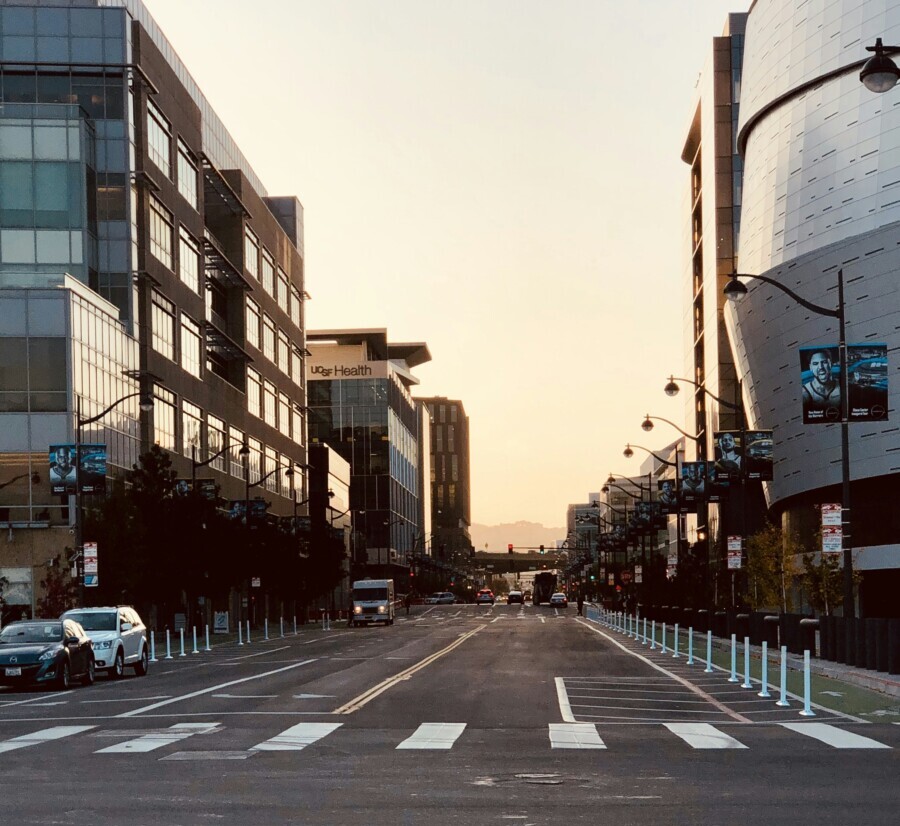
(821, 192)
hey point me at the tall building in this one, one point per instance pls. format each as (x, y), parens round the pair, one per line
(451, 503)
(821, 176)
(118, 178)
(360, 405)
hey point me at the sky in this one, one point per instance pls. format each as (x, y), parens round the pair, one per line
(500, 179)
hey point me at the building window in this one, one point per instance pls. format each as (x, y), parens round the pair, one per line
(283, 296)
(191, 423)
(295, 305)
(190, 346)
(188, 260)
(297, 423)
(451, 436)
(273, 483)
(164, 411)
(296, 366)
(254, 393)
(215, 441)
(187, 175)
(235, 443)
(439, 439)
(268, 273)
(159, 139)
(284, 353)
(454, 467)
(270, 396)
(163, 325)
(453, 414)
(161, 232)
(269, 338)
(251, 253)
(284, 414)
(255, 459)
(252, 322)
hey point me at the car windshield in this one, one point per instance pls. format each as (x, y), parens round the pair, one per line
(31, 632)
(94, 620)
(370, 594)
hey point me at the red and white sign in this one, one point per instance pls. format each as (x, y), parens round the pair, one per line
(832, 539)
(831, 514)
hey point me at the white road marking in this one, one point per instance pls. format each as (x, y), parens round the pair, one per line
(575, 736)
(833, 736)
(33, 699)
(562, 696)
(297, 737)
(127, 699)
(246, 696)
(158, 739)
(43, 736)
(704, 736)
(136, 711)
(434, 736)
(312, 696)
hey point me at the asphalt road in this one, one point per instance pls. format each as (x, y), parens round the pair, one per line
(456, 714)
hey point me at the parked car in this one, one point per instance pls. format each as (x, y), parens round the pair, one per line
(515, 597)
(440, 598)
(484, 597)
(119, 636)
(559, 600)
(45, 652)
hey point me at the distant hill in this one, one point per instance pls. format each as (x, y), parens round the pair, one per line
(521, 534)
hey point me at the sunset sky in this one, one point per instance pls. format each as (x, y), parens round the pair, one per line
(498, 178)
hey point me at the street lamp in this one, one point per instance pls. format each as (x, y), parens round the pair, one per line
(672, 389)
(195, 464)
(647, 425)
(146, 405)
(735, 290)
(880, 73)
(628, 453)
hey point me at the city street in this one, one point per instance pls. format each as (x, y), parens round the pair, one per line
(528, 715)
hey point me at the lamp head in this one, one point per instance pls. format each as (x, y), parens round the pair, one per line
(604, 489)
(647, 424)
(628, 452)
(289, 473)
(610, 480)
(671, 389)
(244, 451)
(735, 289)
(880, 73)
(146, 402)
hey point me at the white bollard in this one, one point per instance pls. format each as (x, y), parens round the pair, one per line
(746, 683)
(168, 645)
(807, 709)
(783, 700)
(281, 623)
(690, 659)
(645, 632)
(764, 691)
(733, 678)
(248, 632)
(181, 637)
(196, 650)
(676, 654)
(664, 639)
(207, 637)
(295, 626)
(709, 668)
(653, 636)
(240, 633)
(153, 647)
(266, 628)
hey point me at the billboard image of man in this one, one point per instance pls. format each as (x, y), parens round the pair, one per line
(62, 469)
(821, 393)
(668, 496)
(729, 457)
(693, 481)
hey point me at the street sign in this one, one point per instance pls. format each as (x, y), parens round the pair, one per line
(638, 574)
(91, 576)
(831, 514)
(832, 539)
(254, 582)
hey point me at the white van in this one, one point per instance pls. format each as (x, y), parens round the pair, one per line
(373, 601)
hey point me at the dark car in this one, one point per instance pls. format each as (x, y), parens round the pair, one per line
(45, 652)
(515, 597)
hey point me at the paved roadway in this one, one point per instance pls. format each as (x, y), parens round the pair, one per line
(457, 714)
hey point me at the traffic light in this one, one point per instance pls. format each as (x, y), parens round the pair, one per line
(509, 548)
(542, 548)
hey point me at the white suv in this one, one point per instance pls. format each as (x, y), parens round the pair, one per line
(119, 635)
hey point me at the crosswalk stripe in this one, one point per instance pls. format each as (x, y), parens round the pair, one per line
(704, 736)
(833, 736)
(297, 737)
(158, 739)
(433, 736)
(43, 736)
(575, 736)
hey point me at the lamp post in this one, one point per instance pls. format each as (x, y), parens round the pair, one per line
(736, 290)
(628, 453)
(195, 464)
(647, 426)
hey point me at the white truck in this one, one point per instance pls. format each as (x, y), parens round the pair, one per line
(373, 601)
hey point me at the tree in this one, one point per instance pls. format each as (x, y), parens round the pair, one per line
(771, 566)
(61, 590)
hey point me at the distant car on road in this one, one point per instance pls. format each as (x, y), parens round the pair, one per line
(45, 652)
(119, 637)
(515, 597)
(440, 598)
(484, 597)
(559, 600)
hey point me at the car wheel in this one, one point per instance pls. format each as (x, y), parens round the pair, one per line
(65, 677)
(89, 675)
(118, 669)
(143, 664)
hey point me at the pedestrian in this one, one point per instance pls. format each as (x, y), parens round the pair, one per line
(580, 604)
(407, 601)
